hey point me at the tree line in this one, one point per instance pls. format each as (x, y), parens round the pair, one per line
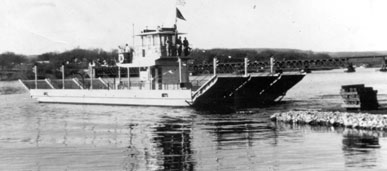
(48, 64)
(238, 55)
(77, 60)
(9, 60)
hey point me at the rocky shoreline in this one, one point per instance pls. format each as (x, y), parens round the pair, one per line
(346, 119)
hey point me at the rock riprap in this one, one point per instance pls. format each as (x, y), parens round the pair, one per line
(354, 120)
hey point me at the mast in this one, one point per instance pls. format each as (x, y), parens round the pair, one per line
(175, 26)
(133, 35)
(175, 17)
(178, 14)
(179, 59)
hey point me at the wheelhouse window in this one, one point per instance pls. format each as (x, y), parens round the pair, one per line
(162, 40)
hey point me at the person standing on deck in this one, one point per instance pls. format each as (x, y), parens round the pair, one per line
(120, 49)
(179, 46)
(127, 48)
(186, 46)
(169, 47)
(128, 57)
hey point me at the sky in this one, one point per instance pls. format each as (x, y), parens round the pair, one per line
(38, 26)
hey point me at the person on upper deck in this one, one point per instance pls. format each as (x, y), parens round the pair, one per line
(120, 49)
(186, 46)
(127, 48)
(168, 47)
(128, 56)
(179, 46)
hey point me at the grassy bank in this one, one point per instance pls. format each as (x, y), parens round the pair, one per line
(11, 87)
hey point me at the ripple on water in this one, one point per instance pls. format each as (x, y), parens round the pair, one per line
(37, 136)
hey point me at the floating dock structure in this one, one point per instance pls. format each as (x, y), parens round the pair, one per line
(359, 97)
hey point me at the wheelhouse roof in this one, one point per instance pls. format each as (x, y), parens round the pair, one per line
(163, 33)
(163, 30)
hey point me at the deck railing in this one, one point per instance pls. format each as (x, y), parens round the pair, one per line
(204, 87)
(198, 81)
(97, 84)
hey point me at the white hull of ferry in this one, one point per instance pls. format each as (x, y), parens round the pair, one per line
(178, 98)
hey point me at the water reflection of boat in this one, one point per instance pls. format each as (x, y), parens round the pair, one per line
(173, 138)
(356, 139)
(359, 147)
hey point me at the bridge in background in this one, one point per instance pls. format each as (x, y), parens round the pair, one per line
(253, 66)
(6, 74)
(291, 65)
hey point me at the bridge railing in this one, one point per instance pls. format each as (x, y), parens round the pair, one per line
(262, 66)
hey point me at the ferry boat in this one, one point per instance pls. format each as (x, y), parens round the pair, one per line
(164, 80)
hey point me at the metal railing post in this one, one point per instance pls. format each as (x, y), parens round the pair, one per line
(63, 82)
(128, 78)
(35, 69)
(119, 77)
(215, 61)
(180, 70)
(246, 64)
(91, 77)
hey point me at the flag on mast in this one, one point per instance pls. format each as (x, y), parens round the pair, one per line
(179, 15)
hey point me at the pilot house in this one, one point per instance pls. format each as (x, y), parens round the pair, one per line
(161, 59)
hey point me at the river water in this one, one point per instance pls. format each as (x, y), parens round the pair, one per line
(35, 136)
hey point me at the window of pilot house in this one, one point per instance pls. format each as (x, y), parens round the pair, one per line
(162, 40)
(156, 40)
(173, 39)
(149, 40)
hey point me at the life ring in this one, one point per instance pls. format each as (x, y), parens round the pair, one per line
(121, 58)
